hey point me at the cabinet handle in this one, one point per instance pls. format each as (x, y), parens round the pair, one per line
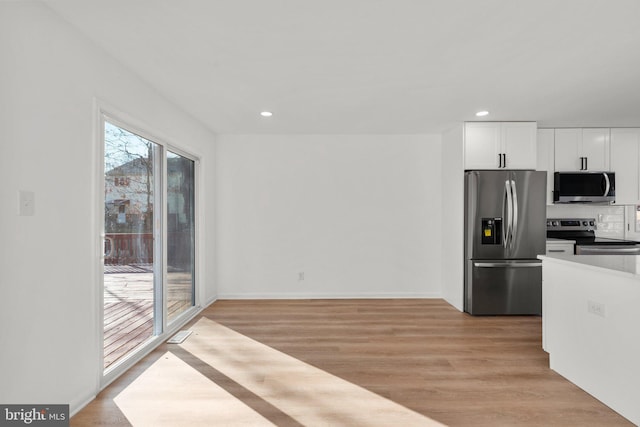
(556, 250)
(504, 160)
(499, 161)
(584, 163)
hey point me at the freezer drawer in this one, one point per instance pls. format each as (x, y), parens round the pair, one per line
(495, 287)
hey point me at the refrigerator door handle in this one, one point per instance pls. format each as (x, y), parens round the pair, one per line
(508, 264)
(505, 201)
(507, 233)
(514, 200)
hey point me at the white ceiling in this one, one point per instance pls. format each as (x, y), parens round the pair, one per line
(377, 66)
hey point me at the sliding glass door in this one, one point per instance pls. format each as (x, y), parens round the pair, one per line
(149, 240)
(180, 234)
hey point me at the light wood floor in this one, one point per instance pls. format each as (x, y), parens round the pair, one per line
(348, 362)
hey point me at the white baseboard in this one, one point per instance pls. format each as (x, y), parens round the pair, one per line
(290, 295)
(209, 302)
(77, 404)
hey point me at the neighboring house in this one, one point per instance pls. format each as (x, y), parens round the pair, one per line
(129, 198)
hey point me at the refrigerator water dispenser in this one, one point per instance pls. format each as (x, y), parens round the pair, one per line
(491, 231)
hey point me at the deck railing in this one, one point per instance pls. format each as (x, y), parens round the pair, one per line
(128, 248)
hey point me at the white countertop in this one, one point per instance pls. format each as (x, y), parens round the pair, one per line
(619, 264)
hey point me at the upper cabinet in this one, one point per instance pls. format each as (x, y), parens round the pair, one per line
(625, 161)
(500, 145)
(582, 149)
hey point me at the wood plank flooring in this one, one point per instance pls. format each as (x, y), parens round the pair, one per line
(417, 360)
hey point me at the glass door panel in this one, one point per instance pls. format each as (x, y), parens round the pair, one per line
(180, 235)
(131, 229)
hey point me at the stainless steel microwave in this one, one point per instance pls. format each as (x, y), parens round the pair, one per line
(584, 187)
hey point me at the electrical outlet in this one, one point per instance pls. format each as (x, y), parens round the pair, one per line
(596, 308)
(26, 203)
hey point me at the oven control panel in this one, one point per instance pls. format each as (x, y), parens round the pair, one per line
(571, 224)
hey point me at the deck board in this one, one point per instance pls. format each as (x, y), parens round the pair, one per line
(128, 308)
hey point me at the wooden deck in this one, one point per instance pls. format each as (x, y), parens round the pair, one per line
(128, 307)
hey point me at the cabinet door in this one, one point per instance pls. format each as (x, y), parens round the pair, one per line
(481, 145)
(544, 158)
(567, 149)
(519, 144)
(625, 159)
(595, 147)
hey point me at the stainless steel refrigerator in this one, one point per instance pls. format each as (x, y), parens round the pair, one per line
(505, 230)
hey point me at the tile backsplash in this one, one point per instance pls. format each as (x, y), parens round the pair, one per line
(610, 219)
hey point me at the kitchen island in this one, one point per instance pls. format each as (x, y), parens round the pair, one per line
(591, 325)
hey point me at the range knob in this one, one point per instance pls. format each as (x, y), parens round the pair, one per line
(585, 223)
(592, 223)
(554, 223)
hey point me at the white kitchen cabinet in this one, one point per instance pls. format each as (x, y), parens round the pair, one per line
(559, 246)
(482, 146)
(582, 149)
(590, 324)
(625, 161)
(500, 145)
(544, 158)
(519, 144)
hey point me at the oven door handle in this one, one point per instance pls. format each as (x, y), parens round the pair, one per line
(603, 250)
(508, 264)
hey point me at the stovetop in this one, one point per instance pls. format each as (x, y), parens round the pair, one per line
(582, 230)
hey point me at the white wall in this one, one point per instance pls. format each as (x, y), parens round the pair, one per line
(453, 217)
(49, 352)
(359, 215)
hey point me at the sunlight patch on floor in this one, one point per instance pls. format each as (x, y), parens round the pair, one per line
(172, 393)
(305, 393)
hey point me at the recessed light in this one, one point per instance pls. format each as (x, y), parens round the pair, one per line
(482, 113)
(266, 114)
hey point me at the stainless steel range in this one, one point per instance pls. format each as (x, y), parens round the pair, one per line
(583, 231)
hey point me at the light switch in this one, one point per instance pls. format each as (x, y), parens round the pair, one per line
(26, 203)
